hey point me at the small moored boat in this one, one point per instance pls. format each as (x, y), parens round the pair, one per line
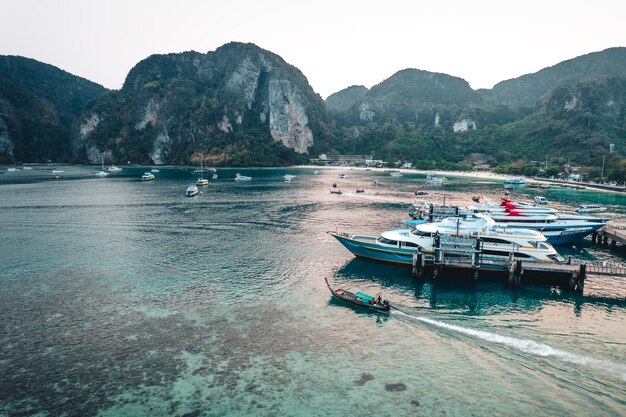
(515, 182)
(360, 299)
(239, 177)
(147, 176)
(103, 173)
(591, 208)
(191, 191)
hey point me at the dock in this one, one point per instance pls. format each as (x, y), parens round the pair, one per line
(609, 235)
(463, 255)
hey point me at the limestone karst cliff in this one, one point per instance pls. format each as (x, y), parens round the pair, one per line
(238, 105)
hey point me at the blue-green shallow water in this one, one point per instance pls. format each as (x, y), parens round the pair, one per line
(123, 298)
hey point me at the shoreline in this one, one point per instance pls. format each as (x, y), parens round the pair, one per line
(483, 175)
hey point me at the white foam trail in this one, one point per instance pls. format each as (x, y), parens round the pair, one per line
(529, 346)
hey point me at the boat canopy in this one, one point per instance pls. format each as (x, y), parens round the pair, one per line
(365, 297)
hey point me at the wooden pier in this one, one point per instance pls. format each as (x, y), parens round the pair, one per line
(610, 236)
(460, 254)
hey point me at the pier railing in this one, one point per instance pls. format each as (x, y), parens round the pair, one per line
(603, 268)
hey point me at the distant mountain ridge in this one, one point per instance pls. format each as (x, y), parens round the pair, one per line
(527, 89)
(402, 95)
(242, 105)
(342, 100)
(38, 104)
(573, 110)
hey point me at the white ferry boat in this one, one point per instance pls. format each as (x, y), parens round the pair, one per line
(398, 246)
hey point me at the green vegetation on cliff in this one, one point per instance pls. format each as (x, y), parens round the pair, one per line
(38, 104)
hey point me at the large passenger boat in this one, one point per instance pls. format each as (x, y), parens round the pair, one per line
(398, 246)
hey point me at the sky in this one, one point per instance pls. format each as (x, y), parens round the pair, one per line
(335, 43)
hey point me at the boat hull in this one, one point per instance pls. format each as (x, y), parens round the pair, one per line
(564, 237)
(367, 247)
(560, 235)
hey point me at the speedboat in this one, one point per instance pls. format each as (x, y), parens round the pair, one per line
(154, 170)
(398, 246)
(239, 177)
(591, 208)
(558, 229)
(57, 171)
(147, 176)
(541, 200)
(191, 191)
(114, 168)
(202, 182)
(491, 207)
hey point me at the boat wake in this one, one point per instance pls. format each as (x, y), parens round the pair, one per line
(528, 346)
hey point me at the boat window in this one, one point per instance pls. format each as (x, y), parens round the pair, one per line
(504, 253)
(410, 244)
(494, 240)
(387, 241)
(418, 233)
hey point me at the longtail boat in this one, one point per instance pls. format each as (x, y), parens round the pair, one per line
(359, 298)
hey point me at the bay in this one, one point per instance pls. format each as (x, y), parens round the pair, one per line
(126, 298)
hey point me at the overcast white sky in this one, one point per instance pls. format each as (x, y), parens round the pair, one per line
(335, 43)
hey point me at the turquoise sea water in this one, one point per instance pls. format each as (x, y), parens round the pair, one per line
(125, 298)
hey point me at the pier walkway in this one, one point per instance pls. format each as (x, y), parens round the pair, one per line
(461, 254)
(608, 233)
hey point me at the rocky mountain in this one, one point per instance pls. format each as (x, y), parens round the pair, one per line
(38, 104)
(572, 111)
(243, 106)
(580, 120)
(342, 100)
(238, 105)
(406, 96)
(527, 89)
